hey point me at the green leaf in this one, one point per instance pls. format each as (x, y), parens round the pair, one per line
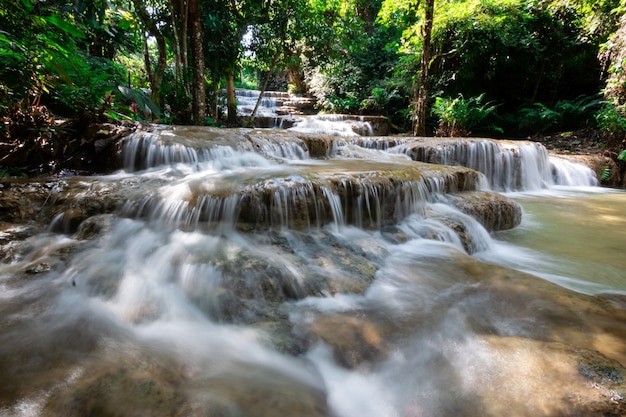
(142, 99)
(62, 73)
(622, 155)
(65, 26)
(28, 5)
(605, 174)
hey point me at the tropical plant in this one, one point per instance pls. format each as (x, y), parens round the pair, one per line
(378, 100)
(611, 120)
(458, 116)
(538, 118)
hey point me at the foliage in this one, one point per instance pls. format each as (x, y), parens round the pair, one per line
(517, 52)
(346, 83)
(538, 118)
(143, 104)
(93, 81)
(605, 173)
(564, 115)
(44, 60)
(611, 120)
(536, 58)
(378, 100)
(458, 116)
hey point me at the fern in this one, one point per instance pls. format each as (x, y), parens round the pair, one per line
(605, 174)
(458, 116)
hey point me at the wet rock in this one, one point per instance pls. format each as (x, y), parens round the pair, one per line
(94, 226)
(11, 238)
(608, 378)
(319, 145)
(114, 389)
(252, 277)
(22, 201)
(355, 341)
(492, 210)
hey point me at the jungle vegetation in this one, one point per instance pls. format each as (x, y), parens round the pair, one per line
(507, 68)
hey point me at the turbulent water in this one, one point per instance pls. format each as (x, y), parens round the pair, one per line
(239, 275)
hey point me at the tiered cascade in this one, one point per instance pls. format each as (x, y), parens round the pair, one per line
(274, 272)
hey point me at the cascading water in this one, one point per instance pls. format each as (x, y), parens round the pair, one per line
(509, 166)
(281, 110)
(228, 272)
(334, 124)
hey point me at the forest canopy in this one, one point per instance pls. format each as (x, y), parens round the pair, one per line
(496, 67)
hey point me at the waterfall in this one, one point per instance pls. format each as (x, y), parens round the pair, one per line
(508, 166)
(262, 272)
(334, 124)
(572, 174)
(270, 102)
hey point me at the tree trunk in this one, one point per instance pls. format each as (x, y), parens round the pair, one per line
(214, 110)
(231, 99)
(184, 15)
(173, 7)
(146, 60)
(197, 55)
(156, 77)
(421, 102)
(264, 87)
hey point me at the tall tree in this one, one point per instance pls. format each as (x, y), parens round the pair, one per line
(421, 99)
(272, 38)
(225, 23)
(179, 13)
(197, 54)
(153, 27)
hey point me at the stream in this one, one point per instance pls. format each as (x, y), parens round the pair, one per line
(240, 272)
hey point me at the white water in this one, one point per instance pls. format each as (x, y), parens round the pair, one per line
(270, 102)
(164, 314)
(334, 124)
(509, 166)
(272, 106)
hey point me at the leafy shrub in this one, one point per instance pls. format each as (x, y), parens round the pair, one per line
(566, 115)
(611, 120)
(538, 119)
(458, 116)
(612, 123)
(378, 100)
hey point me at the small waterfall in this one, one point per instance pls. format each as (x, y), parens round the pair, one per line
(144, 150)
(332, 124)
(508, 166)
(573, 174)
(279, 146)
(282, 202)
(268, 107)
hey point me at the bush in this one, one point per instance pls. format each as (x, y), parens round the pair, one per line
(457, 117)
(566, 115)
(538, 118)
(612, 122)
